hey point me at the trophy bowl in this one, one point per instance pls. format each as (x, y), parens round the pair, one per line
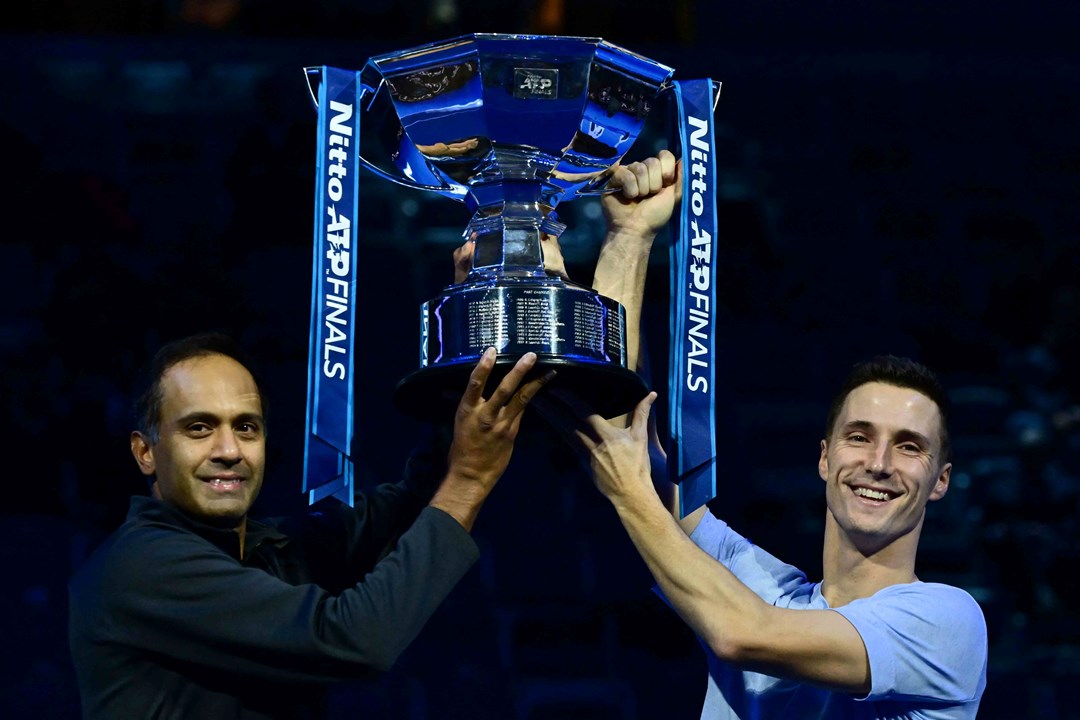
(512, 125)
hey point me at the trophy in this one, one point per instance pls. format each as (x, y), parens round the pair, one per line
(511, 125)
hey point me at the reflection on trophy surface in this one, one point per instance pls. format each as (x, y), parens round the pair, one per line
(512, 125)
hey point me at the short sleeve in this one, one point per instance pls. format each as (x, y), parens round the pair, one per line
(775, 582)
(924, 640)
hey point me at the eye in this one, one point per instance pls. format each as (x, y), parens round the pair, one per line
(909, 448)
(858, 438)
(199, 429)
(248, 429)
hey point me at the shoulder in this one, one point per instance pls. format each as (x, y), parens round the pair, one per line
(139, 554)
(132, 567)
(770, 578)
(935, 603)
(932, 606)
(922, 639)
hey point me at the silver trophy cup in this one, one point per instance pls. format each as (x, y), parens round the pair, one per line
(512, 125)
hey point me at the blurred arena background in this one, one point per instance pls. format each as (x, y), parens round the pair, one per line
(895, 177)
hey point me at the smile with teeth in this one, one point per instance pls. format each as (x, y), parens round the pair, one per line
(224, 484)
(878, 495)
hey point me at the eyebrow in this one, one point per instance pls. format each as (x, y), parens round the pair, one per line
(903, 435)
(207, 417)
(856, 425)
(919, 438)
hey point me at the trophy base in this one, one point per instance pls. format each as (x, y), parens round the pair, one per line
(433, 393)
(573, 330)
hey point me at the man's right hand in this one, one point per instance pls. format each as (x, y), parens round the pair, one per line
(484, 434)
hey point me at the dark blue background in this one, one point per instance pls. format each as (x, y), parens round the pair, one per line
(895, 177)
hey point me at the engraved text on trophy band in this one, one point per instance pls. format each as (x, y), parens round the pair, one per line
(536, 322)
(547, 320)
(488, 323)
(589, 327)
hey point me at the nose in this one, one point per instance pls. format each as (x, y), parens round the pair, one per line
(226, 450)
(880, 462)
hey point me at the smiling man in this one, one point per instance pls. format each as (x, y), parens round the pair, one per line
(869, 641)
(191, 609)
(204, 440)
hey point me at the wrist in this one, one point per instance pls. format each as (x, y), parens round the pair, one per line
(621, 268)
(636, 235)
(460, 499)
(637, 501)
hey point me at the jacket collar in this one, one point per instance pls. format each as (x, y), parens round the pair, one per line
(151, 510)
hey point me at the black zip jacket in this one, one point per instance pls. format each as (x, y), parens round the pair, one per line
(166, 620)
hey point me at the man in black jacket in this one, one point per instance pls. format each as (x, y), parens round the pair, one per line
(193, 610)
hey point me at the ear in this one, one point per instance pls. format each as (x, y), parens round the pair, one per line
(143, 453)
(941, 485)
(823, 462)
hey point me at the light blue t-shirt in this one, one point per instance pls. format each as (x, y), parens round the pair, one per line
(926, 643)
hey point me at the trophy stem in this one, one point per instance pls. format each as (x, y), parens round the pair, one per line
(510, 246)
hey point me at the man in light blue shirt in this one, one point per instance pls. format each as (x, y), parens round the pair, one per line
(869, 641)
(925, 645)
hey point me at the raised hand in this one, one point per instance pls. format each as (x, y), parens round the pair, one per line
(484, 434)
(650, 189)
(617, 456)
(649, 192)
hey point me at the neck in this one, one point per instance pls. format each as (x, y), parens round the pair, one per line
(241, 530)
(856, 567)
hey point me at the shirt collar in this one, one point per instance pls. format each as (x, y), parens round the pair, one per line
(143, 509)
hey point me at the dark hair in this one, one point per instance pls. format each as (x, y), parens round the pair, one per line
(148, 404)
(899, 372)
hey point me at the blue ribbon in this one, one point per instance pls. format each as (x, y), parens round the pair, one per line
(692, 380)
(328, 467)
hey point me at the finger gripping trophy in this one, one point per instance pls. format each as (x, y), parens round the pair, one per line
(512, 125)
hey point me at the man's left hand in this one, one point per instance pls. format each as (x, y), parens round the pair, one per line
(649, 191)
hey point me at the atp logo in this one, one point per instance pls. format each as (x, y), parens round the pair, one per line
(536, 83)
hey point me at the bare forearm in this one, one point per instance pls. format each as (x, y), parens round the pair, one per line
(816, 646)
(713, 602)
(620, 275)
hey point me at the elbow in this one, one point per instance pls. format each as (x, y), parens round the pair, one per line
(738, 641)
(725, 647)
(387, 645)
(382, 662)
(385, 653)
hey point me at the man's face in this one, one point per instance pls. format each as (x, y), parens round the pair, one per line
(210, 456)
(882, 464)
